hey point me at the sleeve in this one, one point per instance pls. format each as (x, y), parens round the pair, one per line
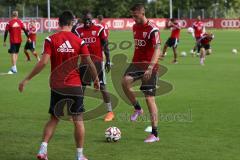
(155, 37)
(47, 49)
(84, 49)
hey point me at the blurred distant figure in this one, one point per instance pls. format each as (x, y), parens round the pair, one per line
(204, 45)
(199, 30)
(100, 21)
(30, 45)
(14, 27)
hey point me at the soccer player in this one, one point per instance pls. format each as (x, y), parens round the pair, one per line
(204, 44)
(14, 27)
(173, 39)
(64, 49)
(30, 45)
(144, 67)
(199, 29)
(100, 21)
(95, 37)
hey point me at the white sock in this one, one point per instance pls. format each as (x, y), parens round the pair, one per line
(43, 148)
(14, 68)
(79, 152)
(109, 106)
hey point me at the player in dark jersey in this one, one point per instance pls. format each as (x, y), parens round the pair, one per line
(14, 27)
(173, 40)
(64, 50)
(96, 39)
(30, 45)
(204, 44)
(144, 67)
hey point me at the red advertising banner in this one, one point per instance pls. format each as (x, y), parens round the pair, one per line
(43, 24)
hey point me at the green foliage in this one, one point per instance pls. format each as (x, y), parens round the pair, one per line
(116, 8)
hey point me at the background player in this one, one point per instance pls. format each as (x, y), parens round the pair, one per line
(30, 45)
(63, 49)
(173, 39)
(95, 37)
(204, 44)
(144, 67)
(100, 21)
(14, 27)
(199, 29)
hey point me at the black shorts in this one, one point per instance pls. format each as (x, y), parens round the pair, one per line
(14, 48)
(147, 87)
(172, 42)
(60, 103)
(86, 76)
(205, 46)
(30, 46)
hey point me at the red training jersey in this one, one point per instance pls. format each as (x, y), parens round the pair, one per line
(176, 28)
(64, 49)
(106, 29)
(32, 32)
(93, 37)
(146, 36)
(15, 27)
(198, 27)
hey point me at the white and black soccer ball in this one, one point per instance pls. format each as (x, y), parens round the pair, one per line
(112, 134)
(183, 54)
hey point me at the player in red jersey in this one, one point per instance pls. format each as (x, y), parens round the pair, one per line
(199, 30)
(64, 50)
(144, 67)
(30, 45)
(14, 27)
(204, 44)
(95, 37)
(100, 21)
(173, 39)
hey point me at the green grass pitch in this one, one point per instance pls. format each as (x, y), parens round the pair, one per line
(208, 96)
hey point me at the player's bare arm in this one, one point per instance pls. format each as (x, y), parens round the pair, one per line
(36, 70)
(5, 38)
(107, 54)
(154, 61)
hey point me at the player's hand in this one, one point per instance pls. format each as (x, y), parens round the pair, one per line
(97, 84)
(148, 73)
(4, 44)
(29, 40)
(22, 85)
(108, 66)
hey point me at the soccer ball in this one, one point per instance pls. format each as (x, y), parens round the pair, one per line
(183, 54)
(234, 51)
(112, 134)
(190, 30)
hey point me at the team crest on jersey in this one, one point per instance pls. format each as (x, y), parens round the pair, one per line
(144, 34)
(94, 33)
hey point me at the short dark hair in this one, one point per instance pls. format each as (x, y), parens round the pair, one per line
(66, 18)
(100, 17)
(138, 7)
